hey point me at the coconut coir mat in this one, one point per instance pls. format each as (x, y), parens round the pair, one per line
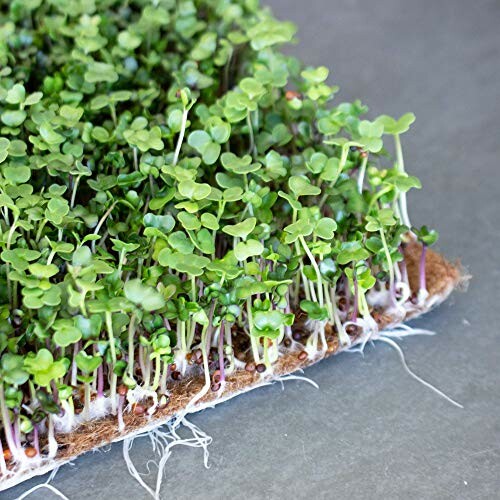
(442, 278)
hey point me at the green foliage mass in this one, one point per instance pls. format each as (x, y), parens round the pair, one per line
(165, 172)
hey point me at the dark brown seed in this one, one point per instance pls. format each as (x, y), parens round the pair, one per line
(216, 377)
(302, 355)
(351, 329)
(176, 375)
(342, 303)
(261, 368)
(30, 452)
(122, 390)
(250, 367)
(139, 409)
(287, 342)
(215, 387)
(173, 367)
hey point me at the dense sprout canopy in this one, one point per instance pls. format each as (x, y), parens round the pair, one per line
(167, 177)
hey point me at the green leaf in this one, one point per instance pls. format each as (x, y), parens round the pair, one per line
(180, 242)
(209, 221)
(66, 333)
(352, 251)
(301, 186)
(247, 249)
(193, 265)
(82, 256)
(393, 127)
(16, 94)
(144, 296)
(313, 310)
(16, 174)
(238, 165)
(242, 229)
(87, 363)
(198, 139)
(252, 87)
(164, 223)
(268, 324)
(189, 221)
(270, 32)
(315, 75)
(325, 228)
(13, 118)
(98, 72)
(193, 190)
(43, 270)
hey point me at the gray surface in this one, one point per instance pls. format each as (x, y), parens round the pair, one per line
(371, 431)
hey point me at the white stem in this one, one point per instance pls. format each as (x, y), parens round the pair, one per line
(181, 136)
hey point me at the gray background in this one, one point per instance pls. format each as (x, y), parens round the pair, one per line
(371, 431)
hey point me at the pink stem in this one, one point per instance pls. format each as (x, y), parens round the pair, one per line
(423, 283)
(221, 353)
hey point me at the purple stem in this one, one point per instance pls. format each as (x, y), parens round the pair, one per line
(166, 323)
(288, 329)
(392, 293)
(404, 271)
(210, 326)
(221, 353)
(17, 433)
(347, 290)
(121, 400)
(74, 367)
(423, 284)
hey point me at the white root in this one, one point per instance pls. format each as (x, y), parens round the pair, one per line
(286, 378)
(163, 442)
(398, 349)
(45, 485)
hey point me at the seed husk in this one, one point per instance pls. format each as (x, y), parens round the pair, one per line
(216, 377)
(261, 368)
(351, 329)
(122, 390)
(139, 409)
(250, 367)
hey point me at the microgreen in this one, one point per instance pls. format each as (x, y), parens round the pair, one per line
(167, 198)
